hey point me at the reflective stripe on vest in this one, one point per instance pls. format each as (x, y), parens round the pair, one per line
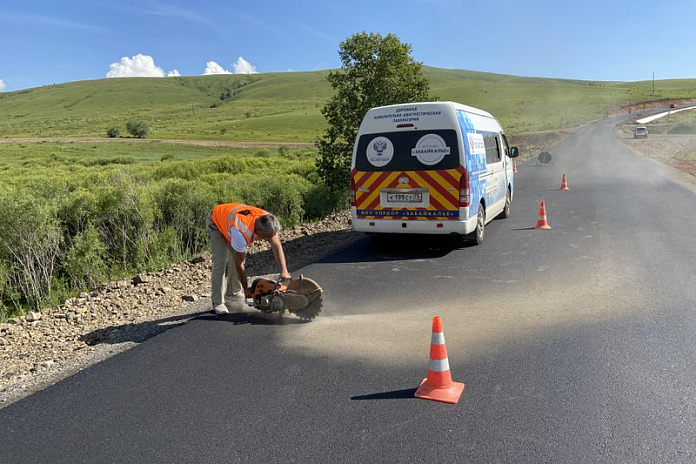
(239, 225)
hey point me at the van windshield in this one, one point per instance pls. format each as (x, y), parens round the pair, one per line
(418, 150)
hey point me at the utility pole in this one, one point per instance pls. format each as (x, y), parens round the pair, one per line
(653, 94)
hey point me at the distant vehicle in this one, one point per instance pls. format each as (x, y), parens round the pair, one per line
(640, 133)
(430, 168)
(672, 105)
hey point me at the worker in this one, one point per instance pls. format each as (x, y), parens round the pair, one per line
(232, 227)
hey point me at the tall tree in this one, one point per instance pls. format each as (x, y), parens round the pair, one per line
(375, 71)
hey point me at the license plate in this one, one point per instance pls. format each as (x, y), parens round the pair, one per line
(404, 197)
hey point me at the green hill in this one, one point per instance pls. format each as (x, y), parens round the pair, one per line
(287, 106)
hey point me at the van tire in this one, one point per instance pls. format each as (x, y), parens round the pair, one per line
(478, 234)
(505, 213)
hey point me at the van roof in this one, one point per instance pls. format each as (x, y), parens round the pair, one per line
(455, 105)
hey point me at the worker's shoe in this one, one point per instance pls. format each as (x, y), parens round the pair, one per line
(221, 309)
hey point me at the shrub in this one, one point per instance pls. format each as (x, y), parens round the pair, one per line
(77, 210)
(138, 129)
(30, 239)
(112, 132)
(84, 263)
(320, 201)
(8, 293)
(166, 248)
(281, 195)
(124, 220)
(184, 206)
(107, 161)
(177, 170)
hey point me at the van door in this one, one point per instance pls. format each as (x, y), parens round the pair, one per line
(495, 187)
(507, 163)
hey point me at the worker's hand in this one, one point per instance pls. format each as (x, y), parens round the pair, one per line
(284, 277)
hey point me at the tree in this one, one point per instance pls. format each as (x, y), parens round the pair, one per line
(137, 128)
(376, 71)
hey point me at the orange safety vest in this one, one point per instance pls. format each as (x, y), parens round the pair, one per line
(241, 217)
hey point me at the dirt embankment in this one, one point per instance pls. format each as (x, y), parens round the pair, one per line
(675, 150)
(635, 108)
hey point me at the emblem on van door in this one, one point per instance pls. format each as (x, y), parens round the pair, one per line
(403, 180)
(379, 151)
(430, 149)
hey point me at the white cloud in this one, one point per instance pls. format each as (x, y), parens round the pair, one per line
(2, 85)
(138, 66)
(174, 73)
(242, 66)
(212, 67)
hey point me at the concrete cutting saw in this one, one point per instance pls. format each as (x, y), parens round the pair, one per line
(300, 296)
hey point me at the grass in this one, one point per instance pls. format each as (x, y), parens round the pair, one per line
(270, 107)
(22, 161)
(287, 106)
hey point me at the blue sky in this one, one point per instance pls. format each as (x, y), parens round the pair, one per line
(52, 41)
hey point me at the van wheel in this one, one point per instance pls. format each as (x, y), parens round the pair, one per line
(477, 235)
(505, 213)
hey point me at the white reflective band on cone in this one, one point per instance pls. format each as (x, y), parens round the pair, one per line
(437, 338)
(438, 365)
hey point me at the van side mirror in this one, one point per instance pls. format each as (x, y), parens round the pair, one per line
(514, 152)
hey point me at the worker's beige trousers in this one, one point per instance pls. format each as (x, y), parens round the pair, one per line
(223, 256)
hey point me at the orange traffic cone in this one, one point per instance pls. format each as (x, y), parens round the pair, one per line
(438, 385)
(514, 166)
(542, 223)
(564, 184)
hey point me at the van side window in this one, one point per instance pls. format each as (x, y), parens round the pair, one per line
(490, 140)
(506, 150)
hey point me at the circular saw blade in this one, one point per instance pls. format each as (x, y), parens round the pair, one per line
(310, 311)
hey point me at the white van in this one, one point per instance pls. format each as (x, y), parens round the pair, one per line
(430, 168)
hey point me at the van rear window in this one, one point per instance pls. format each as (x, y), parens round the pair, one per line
(408, 151)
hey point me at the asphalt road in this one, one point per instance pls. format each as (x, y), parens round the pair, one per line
(576, 345)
